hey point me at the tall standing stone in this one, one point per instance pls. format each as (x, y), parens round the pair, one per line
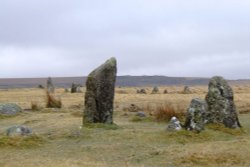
(220, 100)
(99, 96)
(50, 86)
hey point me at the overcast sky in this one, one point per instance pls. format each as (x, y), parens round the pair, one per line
(196, 38)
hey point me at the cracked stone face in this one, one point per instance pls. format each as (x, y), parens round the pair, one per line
(195, 116)
(220, 100)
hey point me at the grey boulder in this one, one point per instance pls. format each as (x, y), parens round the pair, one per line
(18, 130)
(196, 115)
(174, 125)
(9, 109)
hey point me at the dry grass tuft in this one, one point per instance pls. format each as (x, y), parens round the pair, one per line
(221, 159)
(244, 109)
(166, 111)
(52, 102)
(77, 113)
(76, 107)
(34, 106)
(121, 92)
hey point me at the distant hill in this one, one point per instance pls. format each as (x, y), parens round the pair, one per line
(135, 81)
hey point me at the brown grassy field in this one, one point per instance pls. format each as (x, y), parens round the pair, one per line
(59, 139)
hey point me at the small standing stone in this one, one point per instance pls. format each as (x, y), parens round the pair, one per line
(40, 86)
(99, 96)
(50, 86)
(174, 125)
(75, 88)
(195, 116)
(220, 100)
(186, 90)
(155, 90)
(141, 91)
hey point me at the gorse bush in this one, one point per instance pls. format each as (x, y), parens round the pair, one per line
(166, 111)
(52, 102)
(34, 106)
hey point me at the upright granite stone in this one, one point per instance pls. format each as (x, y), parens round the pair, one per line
(220, 100)
(141, 91)
(155, 90)
(99, 97)
(50, 86)
(196, 115)
(186, 90)
(75, 88)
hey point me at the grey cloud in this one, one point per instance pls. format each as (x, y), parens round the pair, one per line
(163, 37)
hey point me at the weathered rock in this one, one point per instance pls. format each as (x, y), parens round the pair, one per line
(174, 124)
(9, 109)
(50, 86)
(18, 131)
(220, 100)
(141, 91)
(40, 86)
(186, 90)
(155, 90)
(140, 114)
(76, 88)
(196, 115)
(99, 96)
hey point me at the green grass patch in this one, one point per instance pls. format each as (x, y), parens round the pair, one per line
(101, 126)
(141, 119)
(222, 128)
(184, 136)
(6, 116)
(21, 141)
